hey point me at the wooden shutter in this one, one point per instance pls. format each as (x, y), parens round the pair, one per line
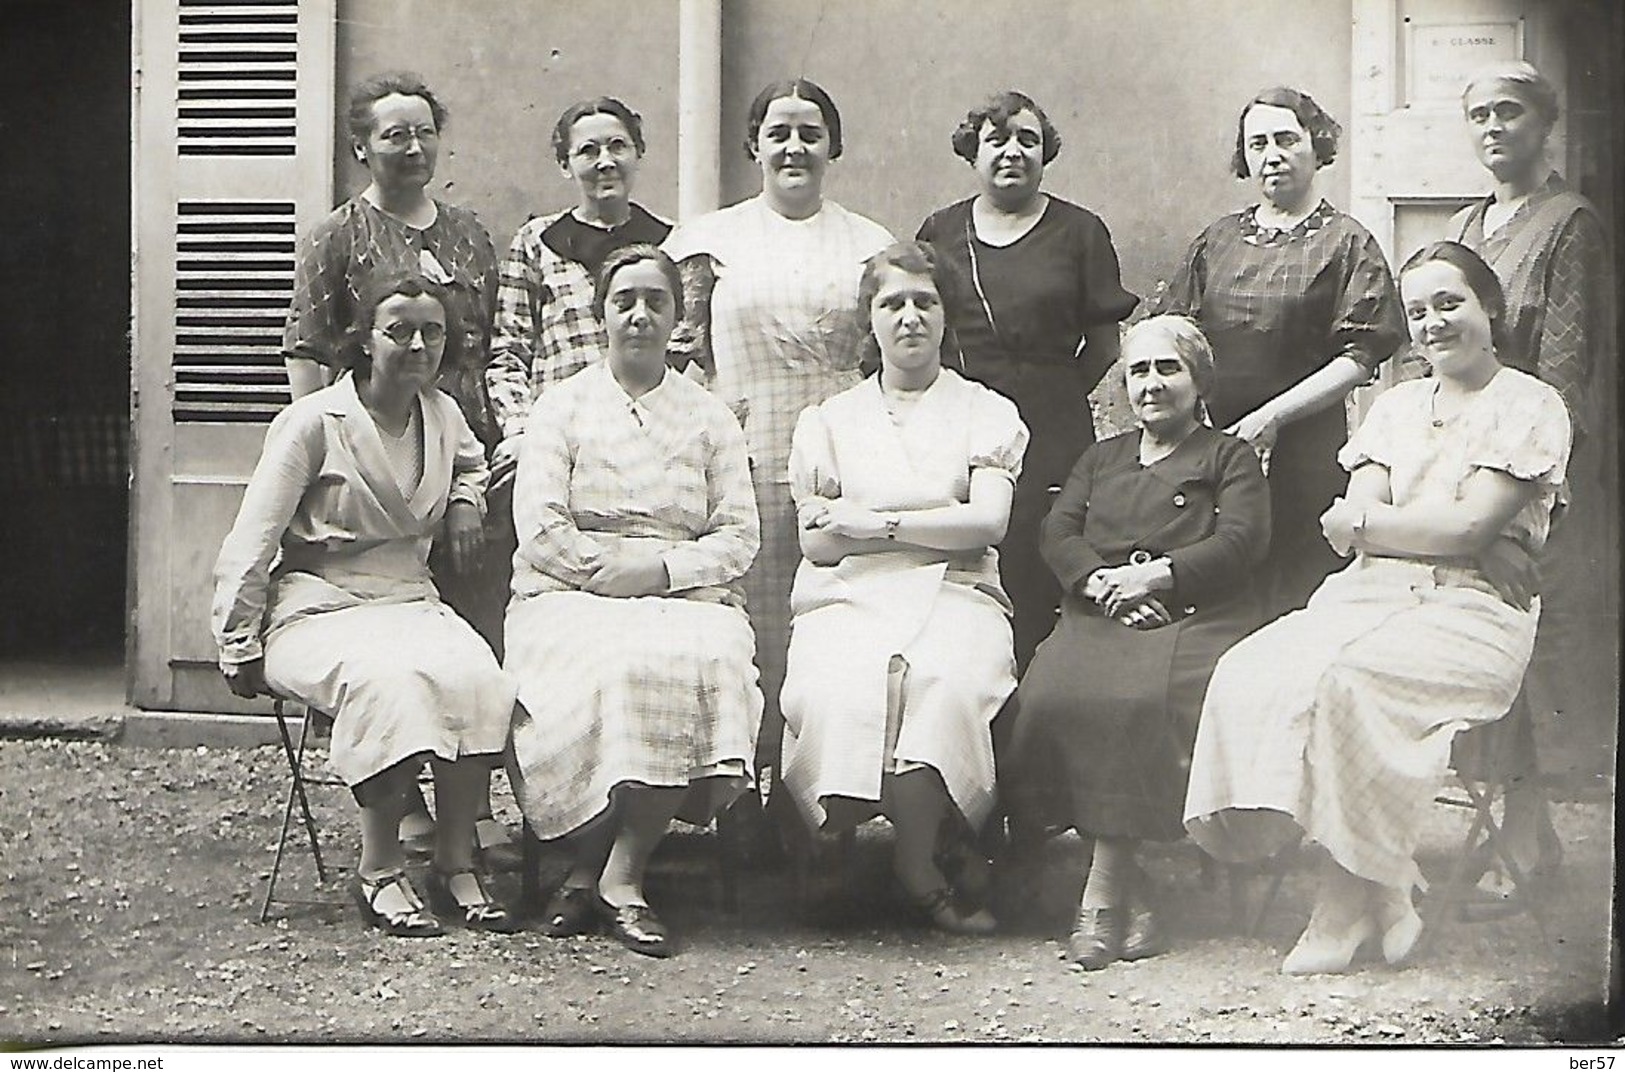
(233, 158)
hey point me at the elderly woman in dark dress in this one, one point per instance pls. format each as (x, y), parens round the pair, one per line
(393, 226)
(1038, 322)
(1155, 539)
(1300, 306)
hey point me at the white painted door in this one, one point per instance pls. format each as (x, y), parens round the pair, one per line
(232, 158)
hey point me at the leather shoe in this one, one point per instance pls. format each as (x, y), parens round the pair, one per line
(572, 910)
(638, 928)
(1097, 937)
(1144, 936)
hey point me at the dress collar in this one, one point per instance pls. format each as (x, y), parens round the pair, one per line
(1256, 234)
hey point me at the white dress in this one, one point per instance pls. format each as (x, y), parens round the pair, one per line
(654, 690)
(325, 575)
(898, 659)
(1336, 721)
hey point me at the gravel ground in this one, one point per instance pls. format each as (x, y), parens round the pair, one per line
(131, 890)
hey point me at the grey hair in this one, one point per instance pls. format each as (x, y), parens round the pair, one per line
(1526, 81)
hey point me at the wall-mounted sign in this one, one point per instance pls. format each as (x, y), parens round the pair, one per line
(1443, 56)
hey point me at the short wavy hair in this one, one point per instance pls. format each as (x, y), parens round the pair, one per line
(915, 257)
(998, 110)
(1527, 83)
(372, 90)
(352, 353)
(1481, 280)
(1324, 131)
(801, 89)
(632, 121)
(626, 256)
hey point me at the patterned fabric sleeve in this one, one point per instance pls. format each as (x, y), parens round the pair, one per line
(998, 438)
(1575, 325)
(548, 538)
(513, 352)
(1370, 321)
(812, 464)
(288, 464)
(1183, 293)
(1060, 542)
(1529, 440)
(691, 338)
(317, 317)
(732, 536)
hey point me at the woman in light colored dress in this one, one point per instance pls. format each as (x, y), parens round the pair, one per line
(627, 628)
(900, 650)
(1336, 722)
(323, 594)
(771, 295)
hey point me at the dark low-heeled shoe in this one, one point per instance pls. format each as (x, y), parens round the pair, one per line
(941, 908)
(413, 922)
(1097, 937)
(638, 928)
(486, 914)
(1143, 935)
(572, 910)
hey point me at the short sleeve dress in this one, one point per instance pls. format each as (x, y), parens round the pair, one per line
(1278, 305)
(901, 658)
(1336, 721)
(1042, 292)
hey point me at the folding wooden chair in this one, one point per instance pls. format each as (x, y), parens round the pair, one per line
(300, 778)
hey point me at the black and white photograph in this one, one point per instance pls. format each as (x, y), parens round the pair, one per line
(1092, 524)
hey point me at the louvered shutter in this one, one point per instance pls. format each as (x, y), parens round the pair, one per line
(233, 158)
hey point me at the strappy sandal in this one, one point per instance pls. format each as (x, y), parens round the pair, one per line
(486, 914)
(414, 921)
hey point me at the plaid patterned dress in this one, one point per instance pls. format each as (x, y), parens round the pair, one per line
(545, 330)
(783, 334)
(1278, 305)
(655, 690)
(1336, 721)
(356, 242)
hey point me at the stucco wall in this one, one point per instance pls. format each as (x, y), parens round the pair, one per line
(1144, 93)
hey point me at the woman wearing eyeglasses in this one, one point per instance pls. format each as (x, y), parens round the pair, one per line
(394, 226)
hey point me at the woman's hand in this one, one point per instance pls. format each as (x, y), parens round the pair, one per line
(246, 679)
(841, 518)
(1120, 588)
(1148, 613)
(626, 575)
(1259, 428)
(1512, 570)
(1339, 522)
(465, 533)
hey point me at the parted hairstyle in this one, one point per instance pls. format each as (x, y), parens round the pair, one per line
(801, 89)
(916, 258)
(1480, 279)
(1527, 82)
(632, 121)
(374, 89)
(1324, 131)
(1190, 346)
(375, 291)
(626, 256)
(998, 110)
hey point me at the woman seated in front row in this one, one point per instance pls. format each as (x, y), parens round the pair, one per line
(627, 629)
(1336, 722)
(354, 483)
(900, 644)
(1155, 539)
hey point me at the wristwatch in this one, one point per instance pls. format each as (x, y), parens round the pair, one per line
(892, 521)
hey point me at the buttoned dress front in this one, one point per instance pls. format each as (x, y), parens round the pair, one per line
(899, 659)
(1337, 721)
(325, 575)
(652, 690)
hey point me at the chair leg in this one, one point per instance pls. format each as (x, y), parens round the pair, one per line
(530, 872)
(728, 853)
(304, 799)
(287, 816)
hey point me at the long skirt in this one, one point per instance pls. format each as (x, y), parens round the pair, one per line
(844, 728)
(1336, 722)
(399, 679)
(652, 691)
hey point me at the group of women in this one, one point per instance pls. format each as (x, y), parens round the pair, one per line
(788, 493)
